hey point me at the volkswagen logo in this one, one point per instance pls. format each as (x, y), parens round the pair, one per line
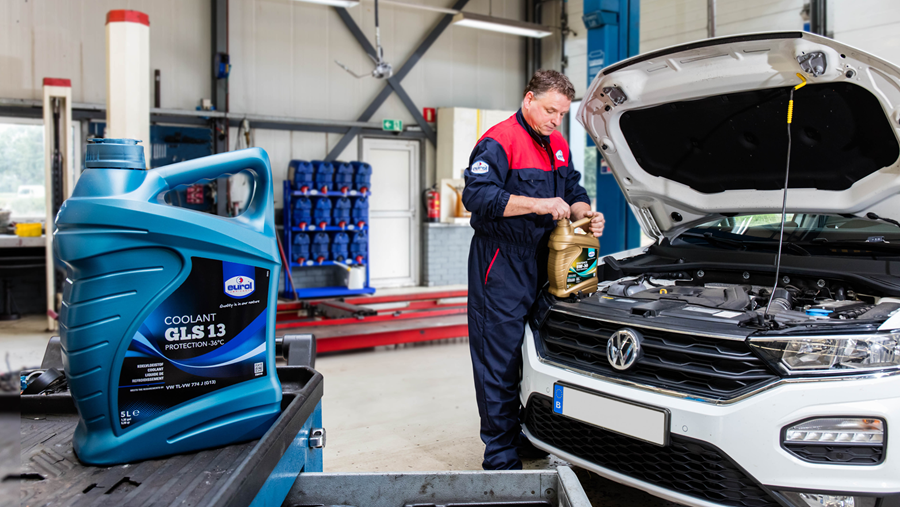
(623, 348)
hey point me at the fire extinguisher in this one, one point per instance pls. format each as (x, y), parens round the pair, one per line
(433, 204)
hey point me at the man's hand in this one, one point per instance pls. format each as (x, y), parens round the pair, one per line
(555, 206)
(597, 223)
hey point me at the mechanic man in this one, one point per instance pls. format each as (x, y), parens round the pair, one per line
(519, 182)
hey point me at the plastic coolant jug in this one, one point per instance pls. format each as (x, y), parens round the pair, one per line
(359, 247)
(339, 250)
(324, 175)
(342, 207)
(362, 180)
(319, 250)
(343, 176)
(322, 213)
(303, 174)
(573, 259)
(361, 211)
(300, 247)
(302, 213)
(168, 315)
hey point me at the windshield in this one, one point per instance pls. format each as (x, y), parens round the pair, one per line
(803, 229)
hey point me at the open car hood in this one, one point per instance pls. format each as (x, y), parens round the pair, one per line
(699, 131)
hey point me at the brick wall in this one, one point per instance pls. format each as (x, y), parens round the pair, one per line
(445, 252)
(316, 276)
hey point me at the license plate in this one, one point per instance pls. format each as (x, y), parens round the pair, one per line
(636, 420)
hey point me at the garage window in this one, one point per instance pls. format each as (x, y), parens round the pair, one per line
(22, 171)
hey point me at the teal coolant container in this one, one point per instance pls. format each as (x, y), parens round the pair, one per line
(168, 315)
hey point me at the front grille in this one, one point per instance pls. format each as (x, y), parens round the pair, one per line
(717, 369)
(686, 466)
(837, 454)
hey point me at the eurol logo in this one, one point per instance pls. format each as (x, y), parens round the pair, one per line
(239, 286)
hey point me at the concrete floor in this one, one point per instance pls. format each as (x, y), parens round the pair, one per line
(399, 409)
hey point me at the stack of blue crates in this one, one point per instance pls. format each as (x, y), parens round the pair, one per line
(326, 211)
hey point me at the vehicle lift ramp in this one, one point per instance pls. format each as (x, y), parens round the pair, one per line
(283, 468)
(370, 321)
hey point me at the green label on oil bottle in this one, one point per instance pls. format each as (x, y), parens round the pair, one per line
(584, 267)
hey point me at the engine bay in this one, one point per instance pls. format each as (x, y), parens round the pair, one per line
(797, 301)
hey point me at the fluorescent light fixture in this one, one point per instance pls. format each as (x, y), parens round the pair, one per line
(503, 25)
(334, 3)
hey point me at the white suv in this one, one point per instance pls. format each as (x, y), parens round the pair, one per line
(693, 373)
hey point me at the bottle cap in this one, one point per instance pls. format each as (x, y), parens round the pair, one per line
(114, 154)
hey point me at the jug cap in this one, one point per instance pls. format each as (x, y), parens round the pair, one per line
(114, 154)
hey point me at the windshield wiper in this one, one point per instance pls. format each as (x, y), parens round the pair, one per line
(873, 216)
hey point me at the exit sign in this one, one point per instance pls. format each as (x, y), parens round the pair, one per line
(392, 125)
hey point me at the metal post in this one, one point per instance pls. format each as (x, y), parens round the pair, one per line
(57, 173)
(818, 17)
(219, 96)
(710, 18)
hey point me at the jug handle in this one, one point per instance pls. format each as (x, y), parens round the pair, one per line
(254, 160)
(582, 222)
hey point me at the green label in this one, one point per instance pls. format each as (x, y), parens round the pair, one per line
(584, 267)
(392, 125)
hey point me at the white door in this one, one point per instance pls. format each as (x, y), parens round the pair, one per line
(393, 212)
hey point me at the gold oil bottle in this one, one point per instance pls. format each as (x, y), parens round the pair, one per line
(573, 259)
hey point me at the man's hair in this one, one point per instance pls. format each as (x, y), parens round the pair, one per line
(545, 80)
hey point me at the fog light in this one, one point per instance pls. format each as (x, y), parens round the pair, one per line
(836, 430)
(819, 500)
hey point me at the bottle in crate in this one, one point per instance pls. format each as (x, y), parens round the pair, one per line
(361, 212)
(343, 177)
(362, 179)
(359, 247)
(322, 213)
(319, 251)
(300, 248)
(302, 212)
(324, 175)
(339, 247)
(303, 175)
(342, 210)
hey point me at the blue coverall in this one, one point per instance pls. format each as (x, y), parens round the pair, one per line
(508, 266)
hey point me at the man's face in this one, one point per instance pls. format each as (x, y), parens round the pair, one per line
(546, 111)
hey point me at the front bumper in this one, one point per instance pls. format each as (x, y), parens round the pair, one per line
(746, 433)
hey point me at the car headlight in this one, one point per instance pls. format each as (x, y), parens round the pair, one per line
(861, 352)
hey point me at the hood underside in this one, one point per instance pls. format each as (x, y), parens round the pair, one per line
(699, 131)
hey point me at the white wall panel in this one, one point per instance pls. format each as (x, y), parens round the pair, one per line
(871, 25)
(66, 38)
(283, 54)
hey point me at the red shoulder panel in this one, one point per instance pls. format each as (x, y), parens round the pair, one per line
(521, 150)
